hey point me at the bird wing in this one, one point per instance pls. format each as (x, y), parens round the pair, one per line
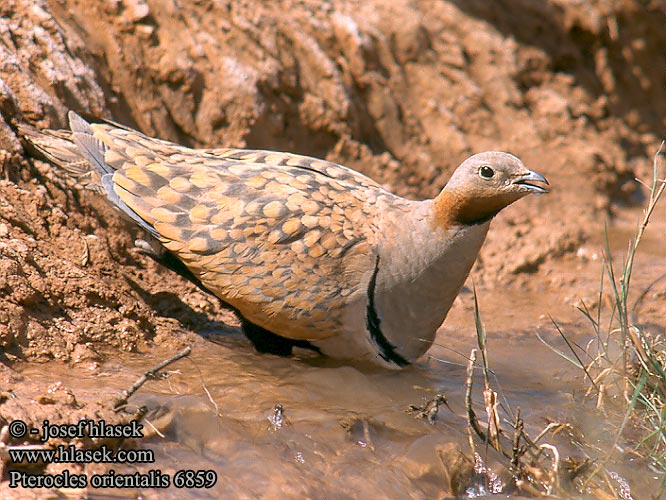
(286, 239)
(306, 163)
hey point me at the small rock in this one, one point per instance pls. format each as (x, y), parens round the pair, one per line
(137, 10)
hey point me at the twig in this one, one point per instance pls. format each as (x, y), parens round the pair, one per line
(490, 401)
(155, 429)
(205, 388)
(657, 190)
(471, 416)
(210, 398)
(515, 451)
(121, 401)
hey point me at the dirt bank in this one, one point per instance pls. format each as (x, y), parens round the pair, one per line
(402, 91)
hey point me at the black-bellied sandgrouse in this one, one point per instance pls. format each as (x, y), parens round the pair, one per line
(307, 252)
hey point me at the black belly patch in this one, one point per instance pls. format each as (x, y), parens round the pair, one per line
(372, 322)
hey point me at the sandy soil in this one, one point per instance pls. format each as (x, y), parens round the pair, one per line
(402, 91)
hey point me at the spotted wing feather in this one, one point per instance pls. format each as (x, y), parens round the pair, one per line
(283, 238)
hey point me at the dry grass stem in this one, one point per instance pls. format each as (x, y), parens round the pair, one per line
(151, 374)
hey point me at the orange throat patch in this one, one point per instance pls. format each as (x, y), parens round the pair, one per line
(452, 208)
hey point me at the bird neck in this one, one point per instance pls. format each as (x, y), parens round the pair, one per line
(453, 208)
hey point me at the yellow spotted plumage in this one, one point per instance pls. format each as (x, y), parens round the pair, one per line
(304, 250)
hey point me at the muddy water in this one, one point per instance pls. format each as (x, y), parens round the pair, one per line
(344, 432)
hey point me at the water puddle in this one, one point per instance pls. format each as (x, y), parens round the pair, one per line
(281, 428)
(311, 428)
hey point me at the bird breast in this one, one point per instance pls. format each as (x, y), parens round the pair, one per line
(420, 274)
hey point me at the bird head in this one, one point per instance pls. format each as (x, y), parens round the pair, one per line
(483, 185)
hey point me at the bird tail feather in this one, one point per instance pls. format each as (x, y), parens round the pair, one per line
(77, 151)
(81, 154)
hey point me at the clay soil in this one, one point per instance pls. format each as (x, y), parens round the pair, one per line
(401, 91)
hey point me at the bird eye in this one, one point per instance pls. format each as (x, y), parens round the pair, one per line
(486, 172)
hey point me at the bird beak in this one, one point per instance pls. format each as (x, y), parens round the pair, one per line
(529, 179)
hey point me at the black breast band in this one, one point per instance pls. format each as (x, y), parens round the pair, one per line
(372, 323)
